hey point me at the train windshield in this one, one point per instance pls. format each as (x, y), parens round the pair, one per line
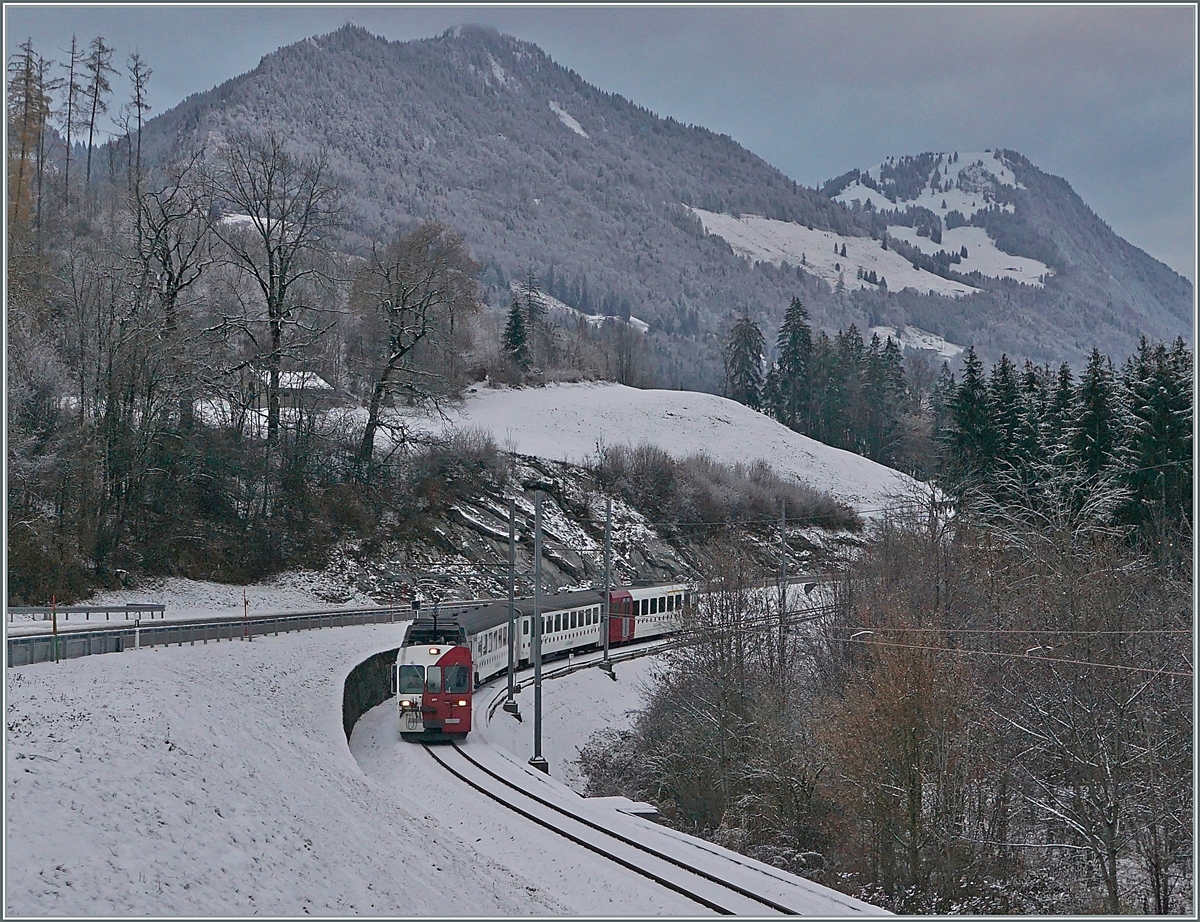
(458, 680)
(412, 680)
(433, 680)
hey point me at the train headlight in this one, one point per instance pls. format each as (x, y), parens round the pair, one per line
(405, 703)
(434, 651)
(462, 703)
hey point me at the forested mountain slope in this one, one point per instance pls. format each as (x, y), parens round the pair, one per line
(539, 170)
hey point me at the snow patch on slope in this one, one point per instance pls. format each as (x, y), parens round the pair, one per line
(784, 242)
(553, 305)
(566, 422)
(982, 253)
(911, 337)
(566, 119)
(968, 185)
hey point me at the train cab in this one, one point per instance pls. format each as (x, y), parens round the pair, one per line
(433, 680)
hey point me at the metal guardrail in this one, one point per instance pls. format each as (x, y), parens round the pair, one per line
(26, 649)
(46, 612)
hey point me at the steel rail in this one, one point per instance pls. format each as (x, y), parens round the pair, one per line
(767, 901)
(590, 846)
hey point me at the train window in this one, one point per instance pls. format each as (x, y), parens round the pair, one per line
(558, 622)
(412, 679)
(458, 680)
(433, 680)
(654, 606)
(670, 603)
(645, 606)
(574, 619)
(524, 627)
(662, 603)
(679, 601)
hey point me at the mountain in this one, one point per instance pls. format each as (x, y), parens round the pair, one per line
(621, 211)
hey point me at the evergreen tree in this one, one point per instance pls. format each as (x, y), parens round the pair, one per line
(1095, 438)
(1057, 417)
(743, 363)
(516, 335)
(1158, 452)
(970, 439)
(790, 391)
(98, 65)
(1004, 406)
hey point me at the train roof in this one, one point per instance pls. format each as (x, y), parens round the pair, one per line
(487, 615)
(447, 631)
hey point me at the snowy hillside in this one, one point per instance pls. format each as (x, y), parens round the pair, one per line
(567, 422)
(967, 183)
(818, 252)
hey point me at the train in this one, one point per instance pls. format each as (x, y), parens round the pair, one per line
(443, 659)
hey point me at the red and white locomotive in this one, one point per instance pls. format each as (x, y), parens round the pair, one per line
(434, 696)
(433, 680)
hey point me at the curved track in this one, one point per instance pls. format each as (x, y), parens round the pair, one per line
(706, 889)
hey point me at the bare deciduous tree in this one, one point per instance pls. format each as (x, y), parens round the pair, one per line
(419, 290)
(280, 209)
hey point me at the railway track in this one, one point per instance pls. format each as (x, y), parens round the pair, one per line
(704, 888)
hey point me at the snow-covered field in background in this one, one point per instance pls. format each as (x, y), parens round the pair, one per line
(967, 186)
(982, 253)
(911, 337)
(767, 240)
(567, 422)
(555, 306)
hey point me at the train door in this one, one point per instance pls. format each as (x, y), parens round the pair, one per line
(621, 620)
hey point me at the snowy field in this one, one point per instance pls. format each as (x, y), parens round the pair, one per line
(767, 240)
(966, 186)
(566, 422)
(216, 780)
(910, 337)
(298, 590)
(982, 253)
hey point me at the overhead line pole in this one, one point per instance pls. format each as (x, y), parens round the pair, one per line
(606, 665)
(538, 761)
(510, 705)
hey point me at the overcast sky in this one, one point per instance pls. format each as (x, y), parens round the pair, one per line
(1103, 96)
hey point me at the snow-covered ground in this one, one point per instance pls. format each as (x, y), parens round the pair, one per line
(966, 185)
(567, 119)
(767, 240)
(910, 337)
(297, 590)
(567, 422)
(982, 253)
(217, 780)
(555, 306)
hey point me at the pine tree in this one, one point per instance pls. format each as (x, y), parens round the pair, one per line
(970, 440)
(1095, 439)
(743, 363)
(72, 95)
(1004, 406)
(28, 111)
(516, 335)
(1158, 454)
(1057, 417)
(790, 394)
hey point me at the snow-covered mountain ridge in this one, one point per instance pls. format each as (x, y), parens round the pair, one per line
(537, 169)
